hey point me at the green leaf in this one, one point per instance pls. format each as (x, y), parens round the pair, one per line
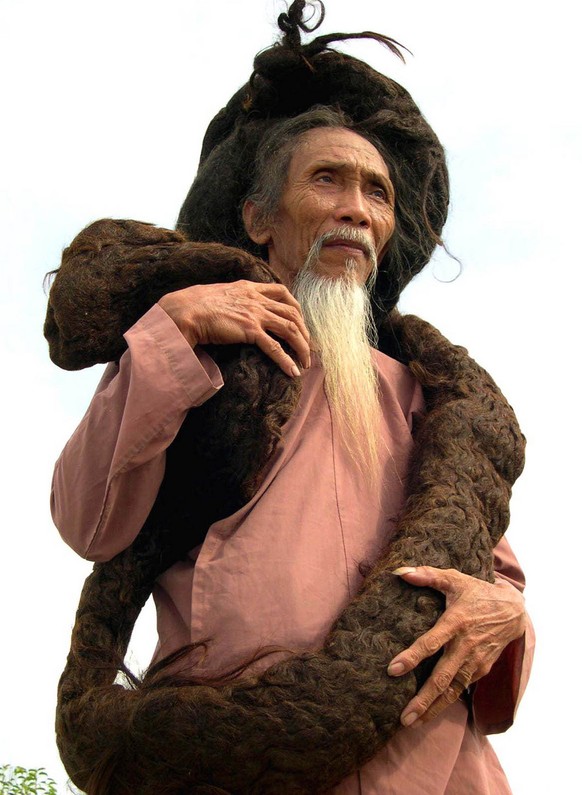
(16, 780)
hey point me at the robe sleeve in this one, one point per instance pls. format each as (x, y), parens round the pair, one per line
(496, 696)
(107, 477)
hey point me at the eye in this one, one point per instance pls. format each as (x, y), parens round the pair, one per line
(324, 176)
(379, 193)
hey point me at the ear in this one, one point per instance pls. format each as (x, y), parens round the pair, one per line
(256, 230)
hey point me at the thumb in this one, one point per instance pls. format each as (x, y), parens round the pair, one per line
(444, 580)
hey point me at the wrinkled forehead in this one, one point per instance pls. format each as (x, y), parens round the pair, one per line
(339, 146)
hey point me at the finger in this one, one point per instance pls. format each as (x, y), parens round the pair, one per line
(444, 580)
(246, 292)
(278, 292)
(274, 351)
(278, 300)
(443, 687)
(428, 644)
(290, 313)
(451, 694)
(289, 331)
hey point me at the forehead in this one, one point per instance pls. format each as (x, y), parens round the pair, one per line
(335, 144)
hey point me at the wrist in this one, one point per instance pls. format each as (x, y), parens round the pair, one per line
(173, 305)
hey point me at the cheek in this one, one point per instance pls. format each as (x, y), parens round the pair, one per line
(308, 231)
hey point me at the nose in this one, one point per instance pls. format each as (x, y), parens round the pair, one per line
(352, 208)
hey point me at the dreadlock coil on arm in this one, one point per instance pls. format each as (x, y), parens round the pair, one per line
(307, 722)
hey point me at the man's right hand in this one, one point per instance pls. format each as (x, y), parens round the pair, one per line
(241, 312)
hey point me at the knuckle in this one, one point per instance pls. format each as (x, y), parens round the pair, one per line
(248, 290)
(462, 624)
(423, 703)
(432, 644)
(249, 322)
(442, 681)
(482, 670)
(479, 659)
(412, 658)
(236, 287)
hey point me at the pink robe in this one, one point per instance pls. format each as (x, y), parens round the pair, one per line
(279, 570)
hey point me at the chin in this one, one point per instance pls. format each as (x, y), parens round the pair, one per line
(348, 269)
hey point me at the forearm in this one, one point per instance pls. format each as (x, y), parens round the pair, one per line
(107, 477)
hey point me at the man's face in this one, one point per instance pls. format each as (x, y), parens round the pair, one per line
(336, 178)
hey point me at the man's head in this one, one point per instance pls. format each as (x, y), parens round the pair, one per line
(290, 79)
(319, 183)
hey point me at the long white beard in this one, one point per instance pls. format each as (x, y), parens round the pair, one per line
(338, 315)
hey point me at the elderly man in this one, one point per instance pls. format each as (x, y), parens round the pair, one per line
(279, 570)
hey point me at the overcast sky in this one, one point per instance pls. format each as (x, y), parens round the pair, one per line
(104, 106)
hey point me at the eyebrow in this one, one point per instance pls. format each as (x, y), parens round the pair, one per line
(345, 165)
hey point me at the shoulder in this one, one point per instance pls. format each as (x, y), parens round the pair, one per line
(398, 385)
(396, 374)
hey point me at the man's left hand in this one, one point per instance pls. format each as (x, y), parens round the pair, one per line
(480, 620)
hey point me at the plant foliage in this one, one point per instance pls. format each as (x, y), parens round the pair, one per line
(24, 781)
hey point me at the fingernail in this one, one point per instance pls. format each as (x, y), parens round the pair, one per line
(406, 720)
(404, 570)
(295, 370)
(395, 668)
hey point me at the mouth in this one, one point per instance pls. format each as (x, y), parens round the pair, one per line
(347, 246)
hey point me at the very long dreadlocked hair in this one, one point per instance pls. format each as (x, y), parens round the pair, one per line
(307, 722)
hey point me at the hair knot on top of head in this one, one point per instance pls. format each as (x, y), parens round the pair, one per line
(289, 57)
(292, 22)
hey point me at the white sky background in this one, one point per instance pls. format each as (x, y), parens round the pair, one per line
(104, 106)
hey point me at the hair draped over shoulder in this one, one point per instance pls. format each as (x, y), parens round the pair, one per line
(310, 720)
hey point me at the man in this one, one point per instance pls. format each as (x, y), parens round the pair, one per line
(280, 569)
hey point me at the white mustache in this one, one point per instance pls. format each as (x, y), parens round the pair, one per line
(349, 234)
